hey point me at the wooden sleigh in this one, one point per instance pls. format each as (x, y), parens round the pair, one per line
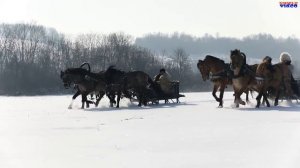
(167, 98)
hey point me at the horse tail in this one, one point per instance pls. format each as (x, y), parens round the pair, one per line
(86, 63)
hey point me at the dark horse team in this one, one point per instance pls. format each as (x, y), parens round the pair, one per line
(266, 79)
(117, 84)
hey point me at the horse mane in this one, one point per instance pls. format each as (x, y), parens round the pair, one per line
(239, 53)
(114, 70)
(235, 52)
(213, 58)
(262, 66)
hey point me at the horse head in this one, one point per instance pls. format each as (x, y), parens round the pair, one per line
(237, 60)
(72, 75)
(204, 70)
(65, 79)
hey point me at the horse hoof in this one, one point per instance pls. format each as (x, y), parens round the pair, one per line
(220, 106)
(256, 106)
(70, 107)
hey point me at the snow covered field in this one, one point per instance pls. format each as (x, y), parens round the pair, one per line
(40, 132)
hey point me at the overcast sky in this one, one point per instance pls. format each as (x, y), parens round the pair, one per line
(235, 18)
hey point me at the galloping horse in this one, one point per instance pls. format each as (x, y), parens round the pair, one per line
(85, 81)
(219, 73)
(243, 75)
(268, 76)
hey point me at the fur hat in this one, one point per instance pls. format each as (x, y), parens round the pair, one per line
(267, 59)
(285, 57)
(162, 70)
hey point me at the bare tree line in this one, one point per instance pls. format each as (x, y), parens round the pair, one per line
(31, 57)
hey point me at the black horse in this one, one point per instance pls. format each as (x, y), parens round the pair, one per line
(135, 83)
(85, 82)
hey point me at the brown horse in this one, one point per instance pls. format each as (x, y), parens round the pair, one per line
(243, 75)
(268, 76)
(219, 73)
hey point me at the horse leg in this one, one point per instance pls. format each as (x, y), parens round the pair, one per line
(83, 100)
(258, 98)
(118, 98)
(276, 98)
(235, 102)
(247, 95)
(265, 97)
(140, 102)
(263, 101)
(235, 97)
(222, 88)
(111, 99)
(88, 102)
(101, 94)
(238, 99)
(238, 96)
(214, 92)
(139, 96)
(73, 98)
(144, 97)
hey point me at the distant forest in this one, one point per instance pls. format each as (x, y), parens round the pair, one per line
(32, 56)
(254, 46)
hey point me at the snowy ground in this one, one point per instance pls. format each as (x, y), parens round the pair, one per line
(40, 132)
